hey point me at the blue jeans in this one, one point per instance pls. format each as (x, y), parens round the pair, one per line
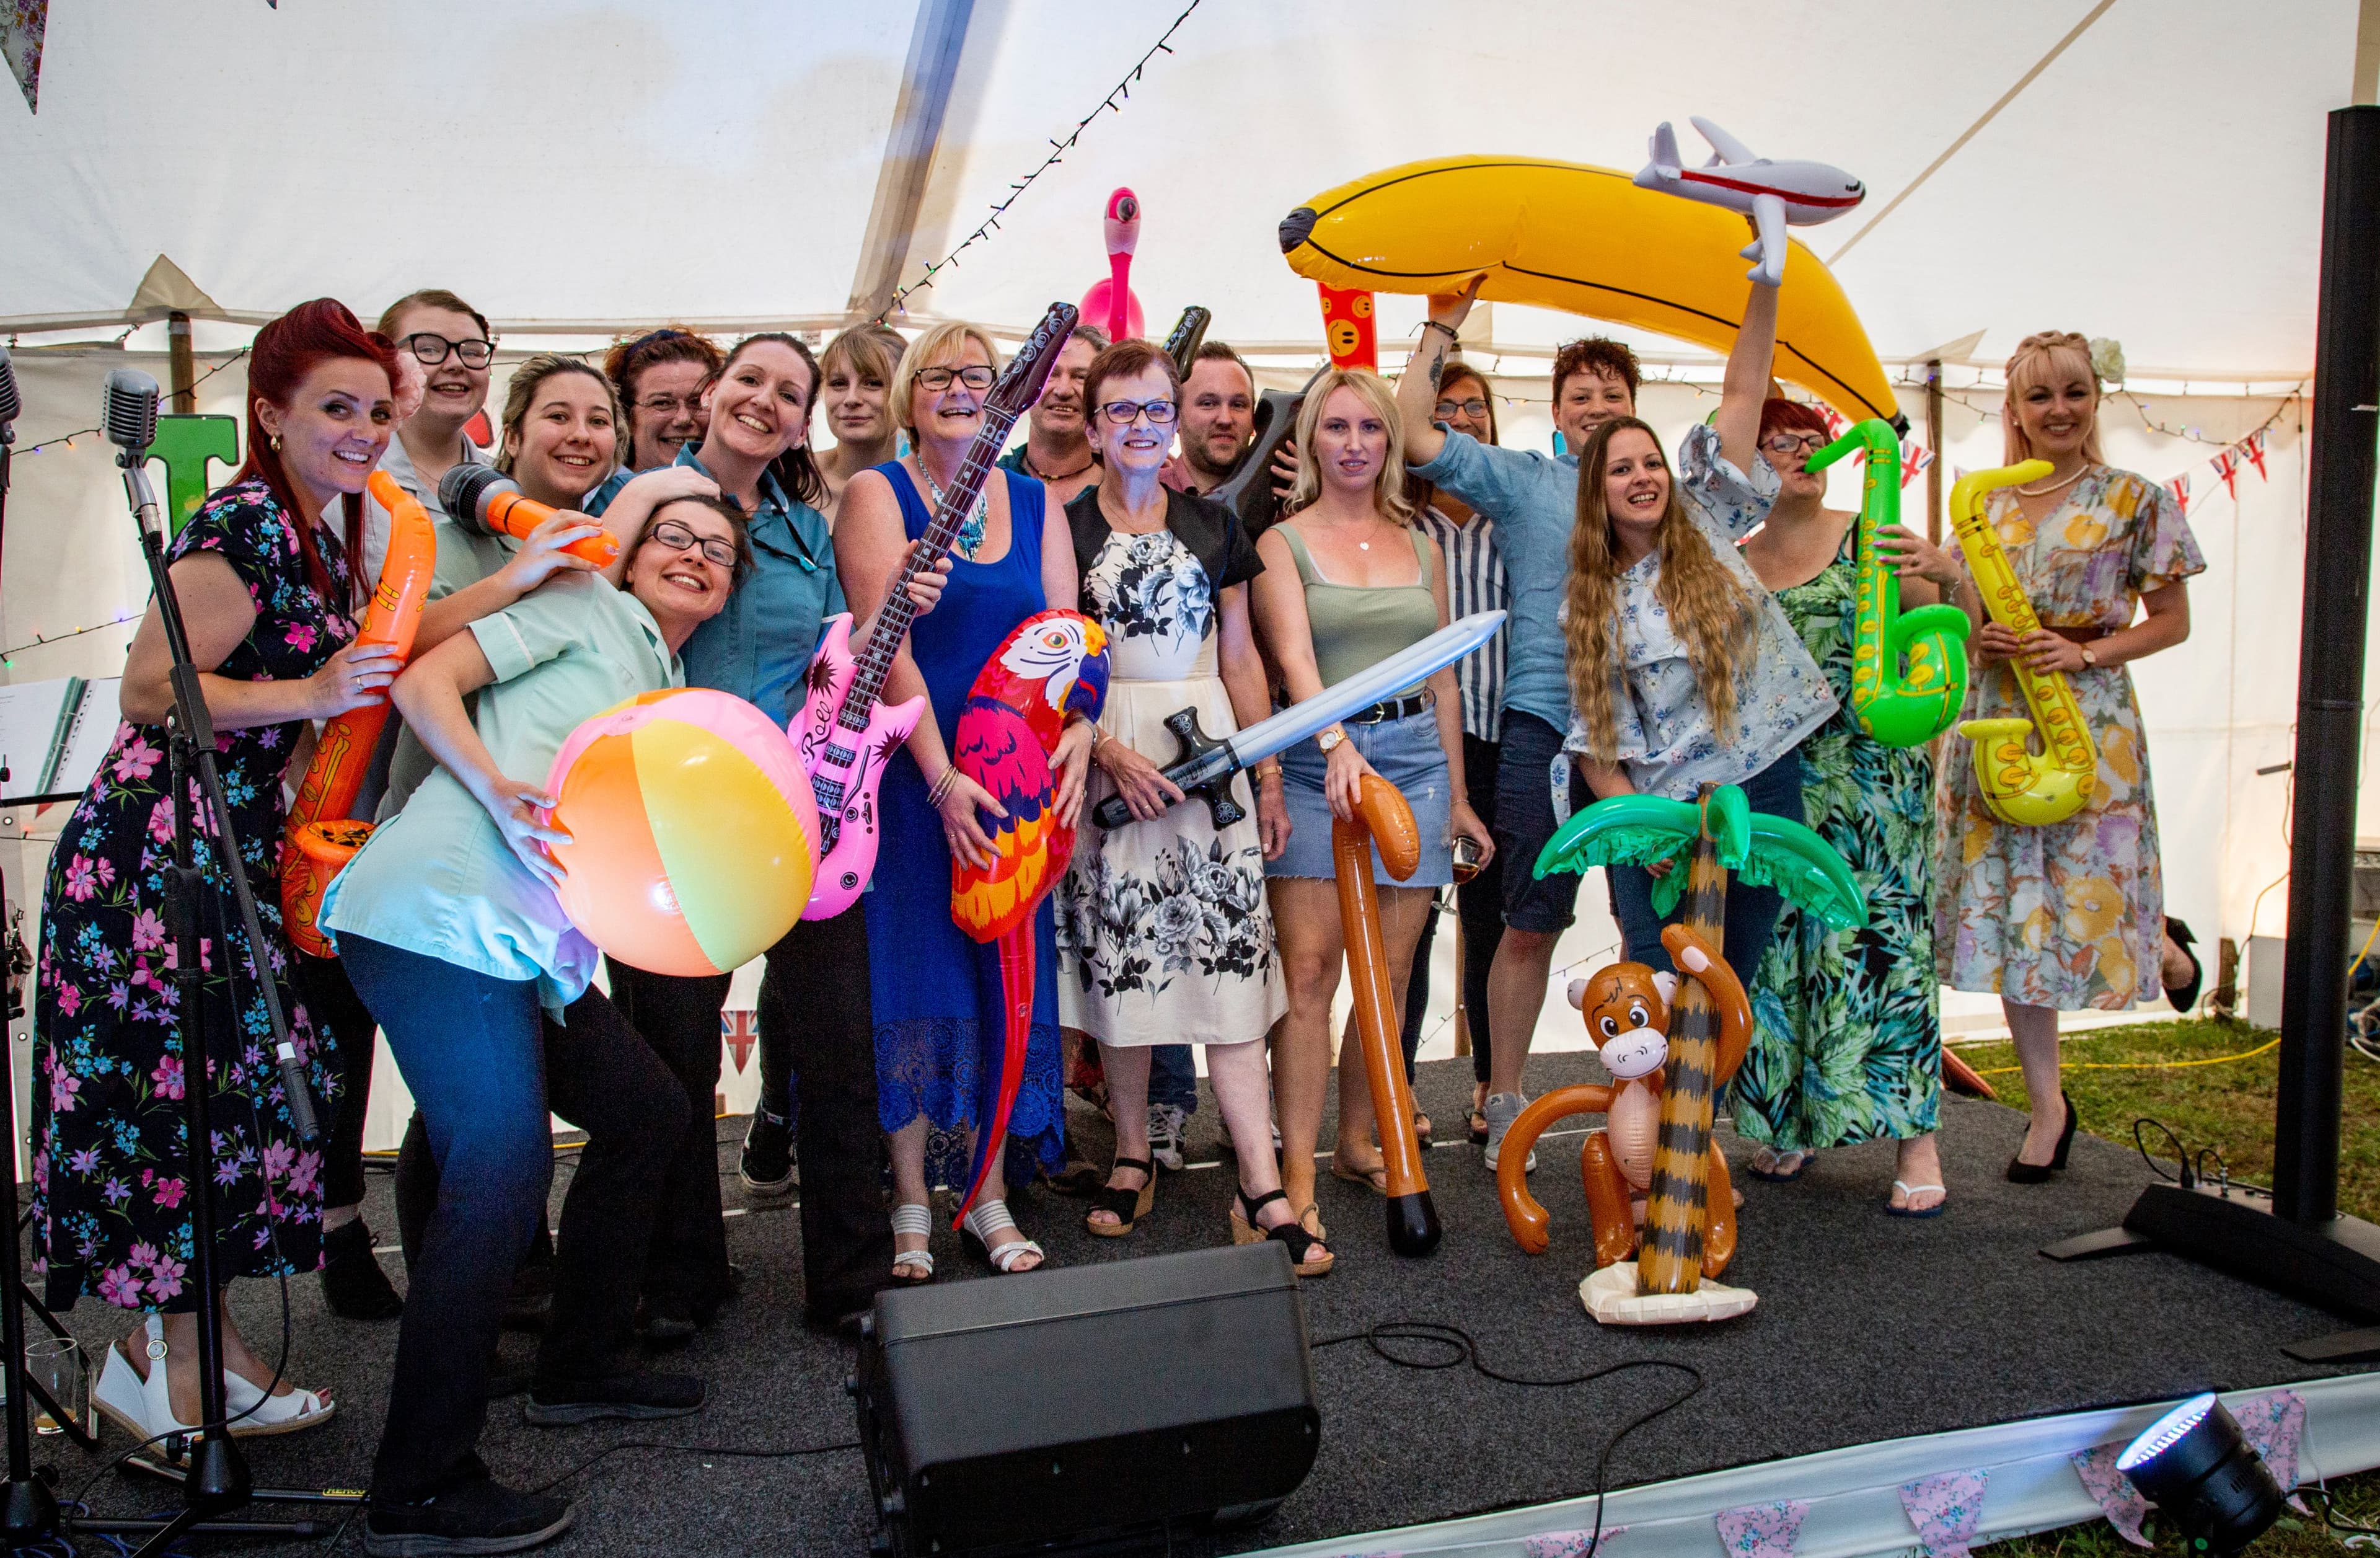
(1751, 911)
(1173, 1077)
(485, 1065)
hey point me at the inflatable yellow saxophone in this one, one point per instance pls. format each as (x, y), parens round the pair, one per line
(2018, 785)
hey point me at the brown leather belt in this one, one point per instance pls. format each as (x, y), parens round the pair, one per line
(2080, 635)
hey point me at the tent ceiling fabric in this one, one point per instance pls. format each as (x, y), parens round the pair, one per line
(2160, 183)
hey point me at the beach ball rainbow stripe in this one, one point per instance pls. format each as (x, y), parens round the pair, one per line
(694, 834)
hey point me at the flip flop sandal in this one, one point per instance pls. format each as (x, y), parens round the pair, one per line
(1478, 1124)
(1907, 1191)
(1375, 1181)
(1798, 1169)
(1422, 1131)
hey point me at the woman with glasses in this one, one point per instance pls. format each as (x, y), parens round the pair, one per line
(936, 993)
(1348, 582)
(1163, 932)
(1848, 1045)
(447, 922)
(449, 342)
(661, 376)
(1474, 582)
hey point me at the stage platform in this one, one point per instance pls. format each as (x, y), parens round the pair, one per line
(1882, 1349)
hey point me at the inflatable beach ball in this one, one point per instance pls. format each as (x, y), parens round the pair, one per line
(693, 835)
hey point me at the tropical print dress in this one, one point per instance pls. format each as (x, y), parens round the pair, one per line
(1163, 932)
(2071, 914)
(1847, 1037)
(111, 1196)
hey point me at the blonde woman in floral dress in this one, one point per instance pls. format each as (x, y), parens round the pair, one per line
(2069, 917)
(1164, 936)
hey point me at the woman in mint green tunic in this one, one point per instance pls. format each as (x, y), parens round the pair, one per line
(1847, 1044)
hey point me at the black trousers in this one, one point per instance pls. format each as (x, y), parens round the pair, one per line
(1479, 910)
(679, 1017)
(332, 1006)
(815, 996)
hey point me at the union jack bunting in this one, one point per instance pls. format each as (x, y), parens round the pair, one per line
(2253, 448)
(2180, 488)
(741, 1030)
(2227, 466)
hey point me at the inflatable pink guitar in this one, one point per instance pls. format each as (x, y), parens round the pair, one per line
(843, 735)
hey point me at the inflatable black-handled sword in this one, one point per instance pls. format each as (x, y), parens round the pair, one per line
(1204, 765)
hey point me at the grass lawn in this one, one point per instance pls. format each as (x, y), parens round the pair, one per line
(2119, 1075)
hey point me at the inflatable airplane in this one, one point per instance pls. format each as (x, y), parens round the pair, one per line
(1772, 194)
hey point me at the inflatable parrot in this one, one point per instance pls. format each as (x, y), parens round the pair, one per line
(1052, 667)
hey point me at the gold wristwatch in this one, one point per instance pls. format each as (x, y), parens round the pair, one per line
(1329, 740)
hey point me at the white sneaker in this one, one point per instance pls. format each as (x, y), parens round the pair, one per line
(1165, 1126)
(1501, 1110)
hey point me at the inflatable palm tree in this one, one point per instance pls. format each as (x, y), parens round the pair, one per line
(1712, 837)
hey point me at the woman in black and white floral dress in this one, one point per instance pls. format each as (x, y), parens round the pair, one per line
(1163, 932)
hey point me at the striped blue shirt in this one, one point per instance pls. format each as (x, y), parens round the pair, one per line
(1474, 582)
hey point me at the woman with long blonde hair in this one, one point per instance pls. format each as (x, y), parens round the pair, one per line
(2068, 916)
(1683, 670)
(1349, 581)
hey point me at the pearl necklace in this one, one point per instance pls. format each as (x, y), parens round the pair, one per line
(2045, 492)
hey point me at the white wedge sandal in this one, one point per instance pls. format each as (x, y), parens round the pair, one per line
(144, 1409)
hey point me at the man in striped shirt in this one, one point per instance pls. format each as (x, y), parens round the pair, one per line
(1474, 582)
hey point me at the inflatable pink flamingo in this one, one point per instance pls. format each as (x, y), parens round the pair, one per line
(1111, 303)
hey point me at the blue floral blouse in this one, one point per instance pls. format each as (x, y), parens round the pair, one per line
(1667, 741)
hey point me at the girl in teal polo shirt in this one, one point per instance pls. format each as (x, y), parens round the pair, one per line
(448, 925)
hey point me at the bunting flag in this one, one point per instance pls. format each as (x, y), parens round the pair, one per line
(740, 1029)
(2180, 488)
(2112, 1490)
(1915, 458)
(22, 23)
(2253, 448)
(1762, 1530)
(2273, 1424)
(2227, 467)
(1571, 1544)
(1945, 1509)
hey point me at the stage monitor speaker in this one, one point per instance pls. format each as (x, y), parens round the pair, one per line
(1088, 1409)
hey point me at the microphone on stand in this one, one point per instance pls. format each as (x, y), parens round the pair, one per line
(128, 417)
(486, 502)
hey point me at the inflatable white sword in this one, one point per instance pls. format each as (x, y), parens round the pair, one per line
(1204, 766)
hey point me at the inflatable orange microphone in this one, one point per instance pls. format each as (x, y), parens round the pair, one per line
(319, 837)
(486, 502)
(1383, 818)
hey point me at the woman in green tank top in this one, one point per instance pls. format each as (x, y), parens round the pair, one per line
(1348, 583)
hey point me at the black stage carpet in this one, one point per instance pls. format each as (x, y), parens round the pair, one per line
(1868, 1328)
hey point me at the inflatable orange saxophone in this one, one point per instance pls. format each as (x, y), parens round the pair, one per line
(319, 837)
(1382, 818)
(1627, 1010)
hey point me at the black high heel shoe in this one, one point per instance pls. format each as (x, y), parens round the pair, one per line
(2022, 1173)
(2184, 995)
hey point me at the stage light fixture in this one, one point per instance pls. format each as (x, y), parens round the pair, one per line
(2197, 1467)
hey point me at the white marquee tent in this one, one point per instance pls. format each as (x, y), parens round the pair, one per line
(579, 168)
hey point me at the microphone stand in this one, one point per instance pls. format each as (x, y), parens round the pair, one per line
(215, 1480)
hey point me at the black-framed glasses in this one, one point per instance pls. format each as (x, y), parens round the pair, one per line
(1474, 407)
(1122, 413)
(975, 376)
(669, 404)
(433, 349)
(678, 538)
(1795, 442)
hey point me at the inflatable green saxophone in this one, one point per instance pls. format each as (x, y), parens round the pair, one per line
(1895, 706)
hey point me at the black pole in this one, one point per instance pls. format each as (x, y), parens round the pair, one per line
(2330, 675)
(29, 1511)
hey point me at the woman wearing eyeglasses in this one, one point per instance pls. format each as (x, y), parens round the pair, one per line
(454, 349)
(1163, 932)
(660, 377)
(935, 992)
(1848, 1045)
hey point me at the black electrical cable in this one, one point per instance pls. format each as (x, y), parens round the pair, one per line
(733, 1452)
(2180, 1154)
(1463, 1348)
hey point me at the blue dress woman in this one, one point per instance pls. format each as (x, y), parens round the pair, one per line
(936, 993)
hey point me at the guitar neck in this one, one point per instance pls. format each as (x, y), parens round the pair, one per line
(958, 501)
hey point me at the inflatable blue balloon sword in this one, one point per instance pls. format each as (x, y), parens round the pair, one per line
(1204, 766)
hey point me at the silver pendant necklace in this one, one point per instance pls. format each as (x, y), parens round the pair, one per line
(970, 537)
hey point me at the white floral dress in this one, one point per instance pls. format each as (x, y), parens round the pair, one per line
(1163, 932)
(2071, 914)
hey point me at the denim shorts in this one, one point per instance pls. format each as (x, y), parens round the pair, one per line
(1406, 753)
(1525, 821)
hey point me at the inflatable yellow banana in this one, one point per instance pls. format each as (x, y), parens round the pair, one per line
(1588, 241)
(2018, 786)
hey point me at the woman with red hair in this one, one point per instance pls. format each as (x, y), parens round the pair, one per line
(262, 573)
(1848, 1037)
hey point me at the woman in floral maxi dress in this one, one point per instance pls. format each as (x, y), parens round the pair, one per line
(263, 582)
(1848, 1029)
(2071, 916)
